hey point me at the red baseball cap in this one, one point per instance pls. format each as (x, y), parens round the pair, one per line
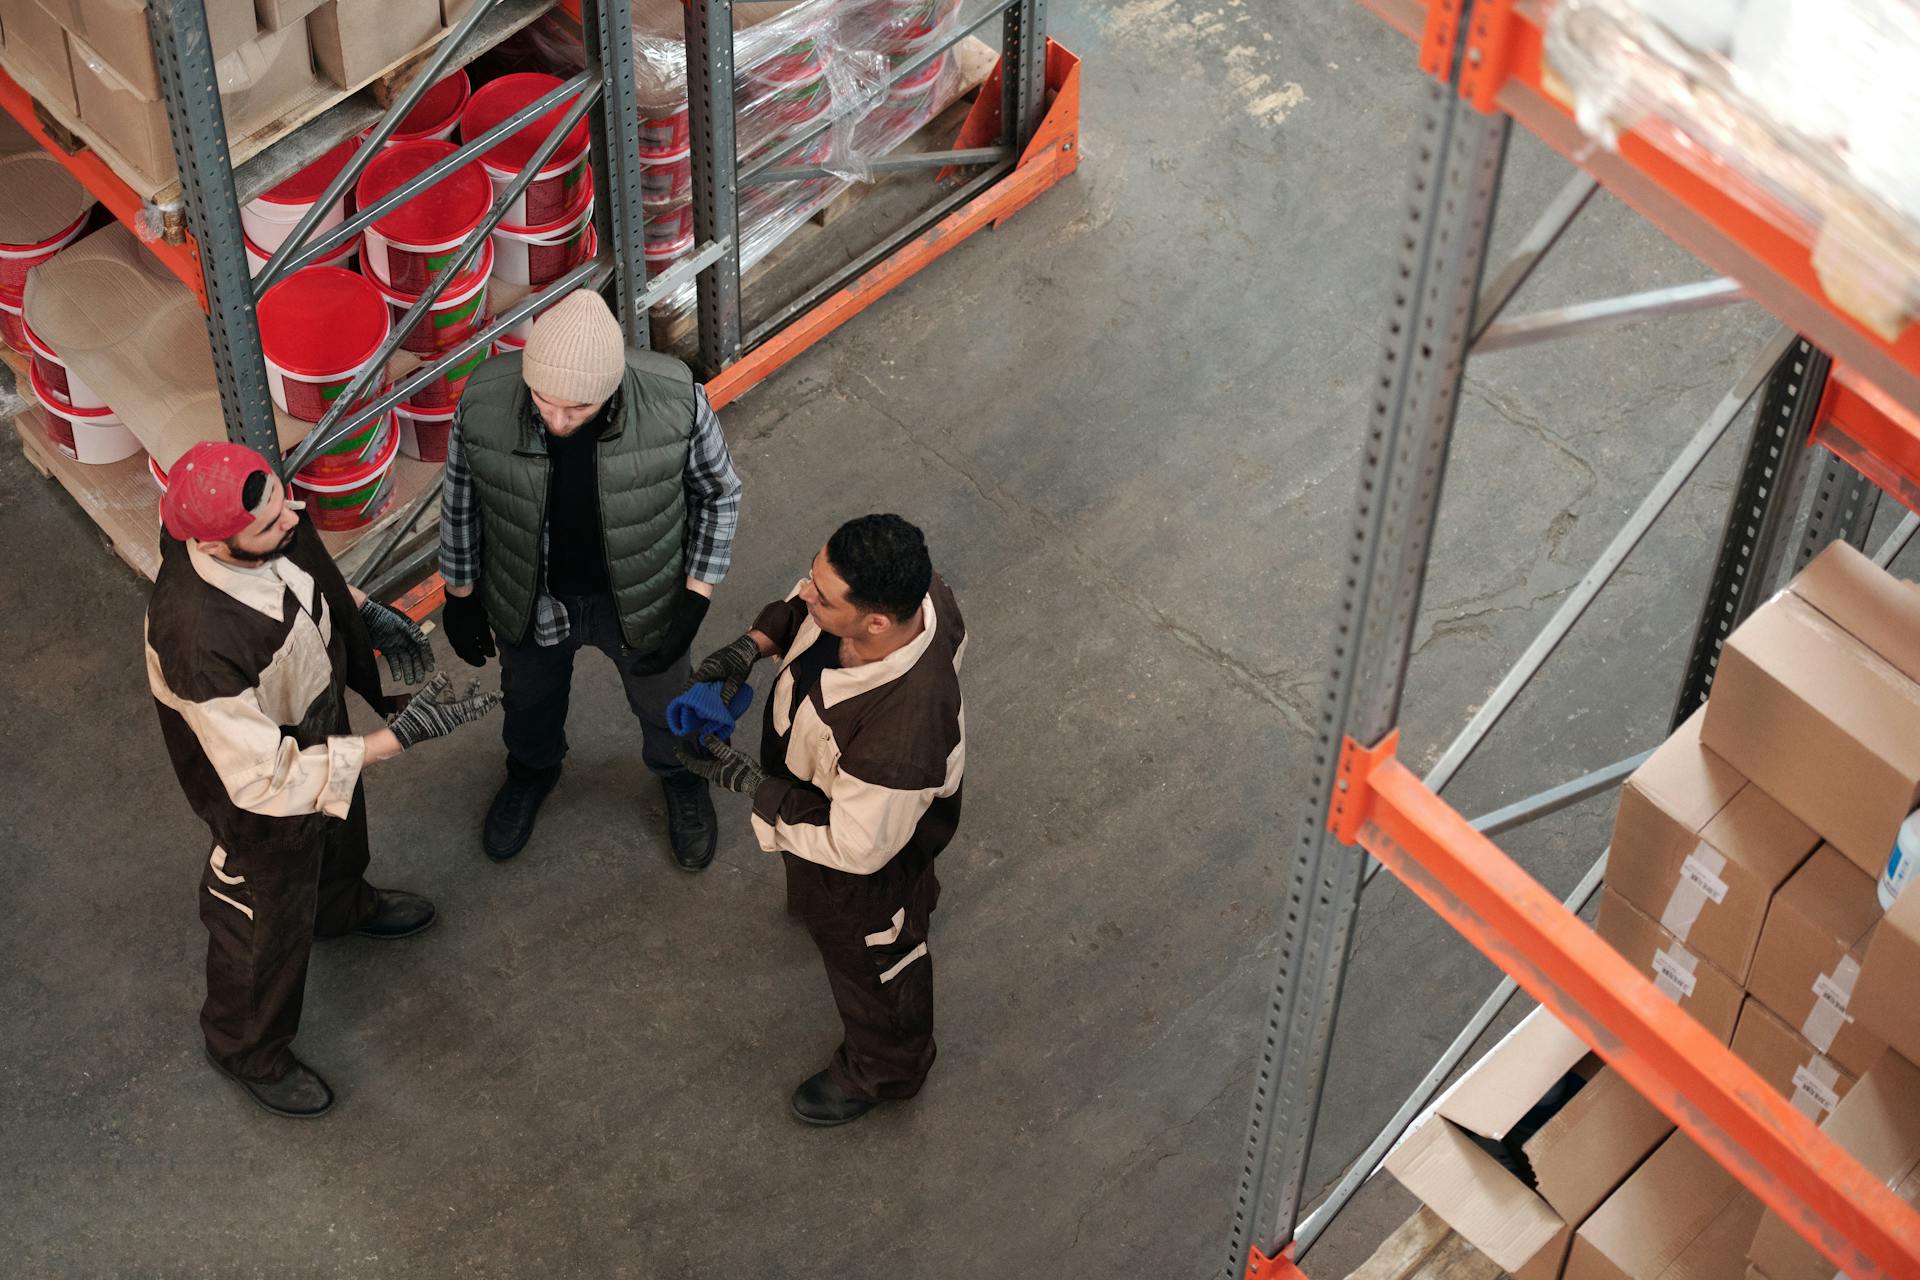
(204, 487)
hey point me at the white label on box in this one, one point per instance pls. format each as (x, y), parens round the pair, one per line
(1832, 993)
(1813, 1092)
(1673, 972)
(1699, 884)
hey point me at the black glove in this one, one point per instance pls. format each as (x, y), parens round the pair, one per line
(437, 710)
(722, 765)
(730, 666)
(400, 640)
(467, 630)
(689, 611)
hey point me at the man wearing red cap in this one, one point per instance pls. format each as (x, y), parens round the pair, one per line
(253, 638)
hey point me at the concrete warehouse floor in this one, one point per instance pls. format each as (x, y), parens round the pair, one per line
(1128, 421)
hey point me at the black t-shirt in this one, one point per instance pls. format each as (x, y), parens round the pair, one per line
(822, 655)
(576, 550)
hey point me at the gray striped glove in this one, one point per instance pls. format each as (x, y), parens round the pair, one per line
(723, 766)
(400, 639)
(730, 666)
(437, 710)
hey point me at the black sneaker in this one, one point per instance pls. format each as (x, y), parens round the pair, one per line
(692, 828)
(819, 1100)
(298, 1095)
(510, 817)
(397, 914)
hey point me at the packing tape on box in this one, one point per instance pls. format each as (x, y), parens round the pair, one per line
(1813, 1088)
(1832, 992)
(1673, 972)
(1699, 884)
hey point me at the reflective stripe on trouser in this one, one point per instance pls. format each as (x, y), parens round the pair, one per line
(872, 936)
(262, 911)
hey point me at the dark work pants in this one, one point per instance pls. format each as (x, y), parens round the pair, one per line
(872, 936)
(263, 909)
(537, 681)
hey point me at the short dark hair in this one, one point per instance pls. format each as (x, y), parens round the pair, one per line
(885, 562)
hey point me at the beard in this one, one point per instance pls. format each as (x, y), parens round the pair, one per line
(261, 557)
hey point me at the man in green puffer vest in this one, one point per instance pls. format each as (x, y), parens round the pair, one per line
(589, 499)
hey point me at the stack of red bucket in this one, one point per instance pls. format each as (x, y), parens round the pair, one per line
(666, 187)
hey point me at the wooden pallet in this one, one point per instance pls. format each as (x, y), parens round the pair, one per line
(123, 500)
(1425, 1248)
(22, 369)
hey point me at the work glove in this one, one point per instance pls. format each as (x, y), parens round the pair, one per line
(467, 629)
(400, 640)
(730, 666)
(437, 710)
(722, 765)
(689, 610)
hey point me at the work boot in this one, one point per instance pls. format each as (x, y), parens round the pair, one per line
(397, 914)
(300, 1094)
(510, 817)
(692, 828)
(823, 1102)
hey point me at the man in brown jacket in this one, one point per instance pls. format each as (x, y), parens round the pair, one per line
(858, 789)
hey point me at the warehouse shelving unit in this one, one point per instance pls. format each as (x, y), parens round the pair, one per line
(1838, 422)
(1020, 139)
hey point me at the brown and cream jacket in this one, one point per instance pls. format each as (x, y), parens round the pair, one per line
(867, 768)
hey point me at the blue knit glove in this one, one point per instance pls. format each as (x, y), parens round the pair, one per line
(699, 713)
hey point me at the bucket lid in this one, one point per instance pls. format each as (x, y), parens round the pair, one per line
(345, 480)
(667, 158)
(159, 472)
(39, 344)
(437, 108)
(323, 322)
(497, 99)
(59, 405)
(438, 413)
(43, 199)
(339, 256)
(448, 210)
(311, 182)
(579, 211)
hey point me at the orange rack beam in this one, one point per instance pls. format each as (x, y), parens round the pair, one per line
(1796, 1170)
(107, 187)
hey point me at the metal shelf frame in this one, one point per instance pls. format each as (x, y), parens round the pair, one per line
(1793, 497)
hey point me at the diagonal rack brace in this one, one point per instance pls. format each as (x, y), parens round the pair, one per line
(1675, 1063)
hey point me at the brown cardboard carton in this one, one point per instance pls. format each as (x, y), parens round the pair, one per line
(275, 14)
(1696, 984)
(1578, 1157)
(116, 31)
(1879, 1123)
(1702, 850)
(1815, 699)
(356, 40)
(1887, 998)
(36, 52)
(1809, 957)
(1797, 1071)
(1679, 1217)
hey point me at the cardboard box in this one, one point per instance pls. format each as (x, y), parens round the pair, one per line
(1702, 850)
(36, 52)
(1886, 1000)
(1809, 957)
(1578, 1157)
(1696, 984)
(276, 14)
(1798, 1072)
(1679, 1217)
(1816, 697)
(1879, 1123)
(117, 33)
(356, 40)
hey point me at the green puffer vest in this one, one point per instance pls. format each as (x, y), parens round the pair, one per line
(641, 466)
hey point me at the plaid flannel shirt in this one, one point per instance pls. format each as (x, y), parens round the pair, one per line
(713, 513)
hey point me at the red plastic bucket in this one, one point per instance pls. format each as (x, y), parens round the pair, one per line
(269, 219)
(158, 472)
(801, 102)
(509, 341)
(357, 449)
(318, 329)
(444, 391)
(257, 257)
(350, 499)
(663, 254)
(537, 256)
(667, 180)
(412, 244)
(437, 114)
(51, 372)
(665, 135)
(804, 59)
(460, 312)
(424, 431)
(92, 436)
(672, 225)
(47, 210)
(556, 190)
(13, 322)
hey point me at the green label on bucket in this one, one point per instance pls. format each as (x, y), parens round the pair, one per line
(330, 391)
(445, 319)
(467, 366)
(436, 261)
(571, 178)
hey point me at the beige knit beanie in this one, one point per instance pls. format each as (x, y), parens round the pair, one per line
(577, 354)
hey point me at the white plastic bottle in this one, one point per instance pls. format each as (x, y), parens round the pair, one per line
(1903, 864)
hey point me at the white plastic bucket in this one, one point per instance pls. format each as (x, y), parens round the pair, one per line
(424, 432)
(1903, 864)
(351, 499)
(18, 259)
(92, 436)
(459, 312)
(537, 256)
(52, 372)
(268, 223)
(515, 336)
(257, 257)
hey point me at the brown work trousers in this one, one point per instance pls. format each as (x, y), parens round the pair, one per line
(263, 910)
(872, 935)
